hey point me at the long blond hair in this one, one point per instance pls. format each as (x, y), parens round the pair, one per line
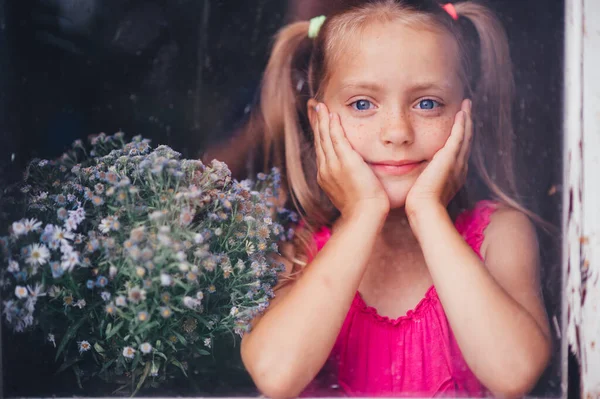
(298, 68)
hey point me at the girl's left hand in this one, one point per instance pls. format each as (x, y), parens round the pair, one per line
(446, 173)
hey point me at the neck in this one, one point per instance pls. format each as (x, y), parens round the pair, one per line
(396, 234)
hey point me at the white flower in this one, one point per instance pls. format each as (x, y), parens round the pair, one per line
(207, 342)
(18, 228)
(84, 346)
(234, 311)
(184, 267)
(181, 256)
(105, 225)
(70, 224)
(190, 302)
(13, 266)
(37, 291)
(146, 347)
(199, 295)
(218, 231)
(69, 261)
(105, 295)
(80, 303)
(240, 265)
(165, 280)
(62, 236)
(21, 292)
(65, 248)
(136, 295)
(198, 238)
(52, 339)
(268, 221)
(38, 255)
(32, 225)
(112, 271)
(121, 301)
(129, 352)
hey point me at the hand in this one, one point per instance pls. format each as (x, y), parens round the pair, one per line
(447, 171)
(342, 173)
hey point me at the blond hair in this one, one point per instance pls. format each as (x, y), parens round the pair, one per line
(298, 70)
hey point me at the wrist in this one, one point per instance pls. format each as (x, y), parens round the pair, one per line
(365, 215)
(428, 214)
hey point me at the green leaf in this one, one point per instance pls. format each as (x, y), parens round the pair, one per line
(113, 331)
(176, 363)
(142, 378)
(67, 364)
(203, 352)
(180, 337)
(108, 328)
(70, 334)
(98, 348)
(161, 355)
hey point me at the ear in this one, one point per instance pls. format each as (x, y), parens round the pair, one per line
(312, 113)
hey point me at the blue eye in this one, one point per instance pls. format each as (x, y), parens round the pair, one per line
(428, 104)
(362, 105)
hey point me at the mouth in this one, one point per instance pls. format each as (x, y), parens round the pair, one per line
(397, 168)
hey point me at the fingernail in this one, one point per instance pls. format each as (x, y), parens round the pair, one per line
(317, 107)
(470, 104)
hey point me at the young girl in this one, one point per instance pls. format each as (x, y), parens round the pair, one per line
(407, 294)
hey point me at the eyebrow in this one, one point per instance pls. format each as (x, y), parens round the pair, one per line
(377, 87)
(361, 85)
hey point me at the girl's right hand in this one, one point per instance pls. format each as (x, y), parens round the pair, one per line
(342, 173)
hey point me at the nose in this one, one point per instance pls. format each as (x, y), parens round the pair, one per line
(397, 129)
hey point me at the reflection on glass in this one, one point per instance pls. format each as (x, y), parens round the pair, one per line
(415, 226)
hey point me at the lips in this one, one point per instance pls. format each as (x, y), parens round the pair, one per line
(397, 168)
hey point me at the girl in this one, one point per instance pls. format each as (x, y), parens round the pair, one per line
(407, 295)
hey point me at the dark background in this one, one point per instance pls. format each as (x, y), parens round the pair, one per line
(185, 73)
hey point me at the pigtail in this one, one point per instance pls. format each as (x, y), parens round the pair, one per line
(492, 105)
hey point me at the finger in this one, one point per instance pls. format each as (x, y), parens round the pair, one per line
(455, 141)
(325, 137)
(317, 143)
(468, 135)
(340, 142)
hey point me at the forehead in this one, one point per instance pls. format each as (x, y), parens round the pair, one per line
(393, 51)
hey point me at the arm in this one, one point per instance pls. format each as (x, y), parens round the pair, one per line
(294, 338)
(290, 343)
(495, 308)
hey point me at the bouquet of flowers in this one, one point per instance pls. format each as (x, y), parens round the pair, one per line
(136, 261)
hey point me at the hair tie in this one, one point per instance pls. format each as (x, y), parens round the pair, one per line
(449, 7)
(315, 26)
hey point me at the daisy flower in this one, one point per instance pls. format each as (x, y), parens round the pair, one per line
(165, 312)
(136, 295)
(166, 280)
(110, 309)
(32, 225)
(21, 292)
(38, 255)
(18, 228)
(129, 352)
(13, 266)
(143, 316)
(84, 346)
(146, 347)
(121, 301)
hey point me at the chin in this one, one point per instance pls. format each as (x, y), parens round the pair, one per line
(397, 196)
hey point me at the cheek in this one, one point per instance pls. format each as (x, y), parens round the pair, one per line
(359, 134)
(434, 134)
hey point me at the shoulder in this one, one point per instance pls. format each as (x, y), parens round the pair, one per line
(509, 229)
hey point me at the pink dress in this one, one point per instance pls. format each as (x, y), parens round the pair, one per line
(414, 355)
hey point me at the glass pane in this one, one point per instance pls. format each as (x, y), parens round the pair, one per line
(187, 74)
